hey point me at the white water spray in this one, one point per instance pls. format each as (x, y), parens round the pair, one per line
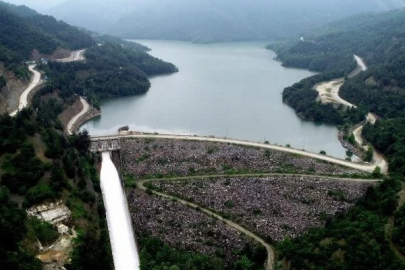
(122, 239)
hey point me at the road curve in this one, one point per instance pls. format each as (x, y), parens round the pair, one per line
(86, 108)
(74, 56)
(24, 96)
(23, 102)
(359, 166)
(270, 251)
(329, 93)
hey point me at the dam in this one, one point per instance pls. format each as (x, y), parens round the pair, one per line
(104, 145)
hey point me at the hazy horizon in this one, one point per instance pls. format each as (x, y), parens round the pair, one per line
(38, 5)
(42, 5)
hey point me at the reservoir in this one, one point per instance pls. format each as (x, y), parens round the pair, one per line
(226, 90)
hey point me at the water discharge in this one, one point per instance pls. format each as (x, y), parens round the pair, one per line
(122, 239)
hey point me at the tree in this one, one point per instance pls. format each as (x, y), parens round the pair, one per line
(369, 154)
(377, 172)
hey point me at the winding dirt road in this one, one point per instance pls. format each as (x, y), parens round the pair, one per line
(24, 96)
(74, 56)
(86, 108)
(329, 93)
(35, 81)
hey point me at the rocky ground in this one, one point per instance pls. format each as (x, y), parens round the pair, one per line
(275, 206)
(184, 228)
(10, 94)
(58, 253)
(160, 157)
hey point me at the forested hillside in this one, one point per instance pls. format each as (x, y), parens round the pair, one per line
(377, 38)
(39, 164)
(371, 235)
(206, 21)
(109, 70)
(23, 30)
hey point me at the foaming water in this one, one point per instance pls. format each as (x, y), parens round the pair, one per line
(122, 239)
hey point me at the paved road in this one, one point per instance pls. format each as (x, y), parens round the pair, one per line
(358, 166)
(24, 96)
(86, 108)
(75, 56)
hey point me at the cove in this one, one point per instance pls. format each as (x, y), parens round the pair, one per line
(226, 90)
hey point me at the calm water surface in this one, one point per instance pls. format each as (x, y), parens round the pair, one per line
(226, 90)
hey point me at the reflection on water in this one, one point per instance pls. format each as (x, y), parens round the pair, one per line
(226, 90)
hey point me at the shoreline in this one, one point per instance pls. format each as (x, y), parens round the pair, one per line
(87, 112)
(328, 92)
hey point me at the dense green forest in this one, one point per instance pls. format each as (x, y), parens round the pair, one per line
(370, 236)
(302, 97)
(109, 70)
(159, 256)
(64, 171)
(22, 31)
(354, 240)
(378, 38)
(38, 162)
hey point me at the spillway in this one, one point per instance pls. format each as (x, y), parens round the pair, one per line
(125, 252)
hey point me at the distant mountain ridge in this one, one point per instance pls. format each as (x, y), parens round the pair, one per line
(206, 21)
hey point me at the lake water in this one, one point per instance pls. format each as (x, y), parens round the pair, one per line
(226, 90)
